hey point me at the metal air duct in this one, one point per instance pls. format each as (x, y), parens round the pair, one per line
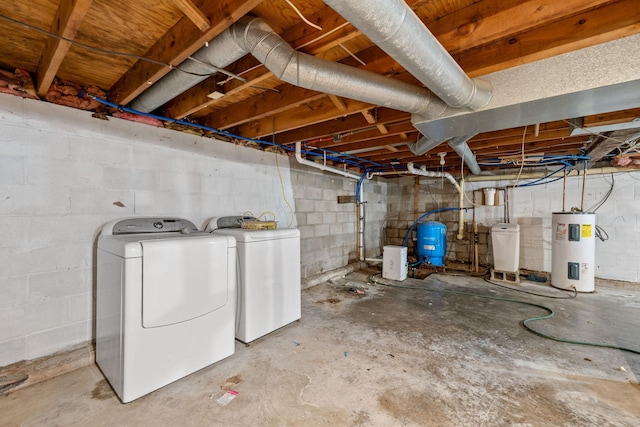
(460, 146)
(253, 35)
(396, 29)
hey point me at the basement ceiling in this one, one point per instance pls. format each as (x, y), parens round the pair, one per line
(125, 47)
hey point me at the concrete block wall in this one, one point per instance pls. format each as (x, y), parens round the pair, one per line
(618, 258)
(328, 228)
(64, 174)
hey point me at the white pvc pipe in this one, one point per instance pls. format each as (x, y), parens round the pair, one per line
(534, 175)
(322, 167)
(451, 179)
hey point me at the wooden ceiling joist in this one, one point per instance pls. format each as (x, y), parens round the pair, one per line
(192, 12)
(66, 23)
(177, 45)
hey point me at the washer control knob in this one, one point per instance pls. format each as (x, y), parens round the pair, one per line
(158, 225)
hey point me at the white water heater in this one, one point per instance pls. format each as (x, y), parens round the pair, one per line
(573, 251)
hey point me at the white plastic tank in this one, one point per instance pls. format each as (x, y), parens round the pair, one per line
(573, 251)
(394, 262)
(505, 239)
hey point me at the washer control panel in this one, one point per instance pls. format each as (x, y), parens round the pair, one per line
(153, 225)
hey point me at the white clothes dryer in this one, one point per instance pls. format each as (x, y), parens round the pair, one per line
(269, 290)
(165, 303)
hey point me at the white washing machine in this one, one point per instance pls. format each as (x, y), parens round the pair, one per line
(268, 278)
(165, 304)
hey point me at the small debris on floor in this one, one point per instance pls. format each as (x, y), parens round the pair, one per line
(356, 291)
(297, 344)
(231, 382)
(587, 359)
(333, 300)
(345, 354)
(226, 398)
(621, 369)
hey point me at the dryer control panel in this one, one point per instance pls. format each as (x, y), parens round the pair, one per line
(153, 225)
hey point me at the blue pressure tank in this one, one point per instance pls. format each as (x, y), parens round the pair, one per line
(432, 243)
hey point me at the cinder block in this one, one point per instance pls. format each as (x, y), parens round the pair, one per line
(12, 109)
(64, 173)
(335, 228)
(27, 200)
(179, 182)
(139, 179)
(104, 152)
(314, 218)
(13, 350)
(21, 141)
(59, 284)
(13, 232)
(329, 217)
(348, 228)
(93, 201)
(49, 341)
(12, 170)
(307, 231)
(323, 230)
(304, 205)
(81, 307)
(13, 292)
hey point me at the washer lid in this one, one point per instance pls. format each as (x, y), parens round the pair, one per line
(183, 279)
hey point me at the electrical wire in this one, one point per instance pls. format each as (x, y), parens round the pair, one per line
(606, 196)
(284, 195)
(306, 21)
(109, 52)
(525, 322)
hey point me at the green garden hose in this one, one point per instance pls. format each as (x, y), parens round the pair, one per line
(525, 322)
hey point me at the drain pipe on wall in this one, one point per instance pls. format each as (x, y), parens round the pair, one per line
(321, 166)
(458, 186)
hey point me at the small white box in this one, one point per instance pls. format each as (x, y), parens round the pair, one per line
(394, 262)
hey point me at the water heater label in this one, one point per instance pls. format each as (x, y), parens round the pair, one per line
(587, 230)
(429, 247)
(561, 231)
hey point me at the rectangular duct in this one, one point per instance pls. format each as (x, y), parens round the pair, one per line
(594, 80)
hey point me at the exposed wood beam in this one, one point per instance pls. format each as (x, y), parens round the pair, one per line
(338, 126)
(177, 45)
(272, 103)
(298, 117)
(574, 32)
(484, 22)
(369, 117)
(338, 103)
(361, 135)
(66, 23)
(194, 14)
(382, 128)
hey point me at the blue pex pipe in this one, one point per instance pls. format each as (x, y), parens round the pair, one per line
(343, 158)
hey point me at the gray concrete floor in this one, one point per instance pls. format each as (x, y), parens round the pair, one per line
(391, 357)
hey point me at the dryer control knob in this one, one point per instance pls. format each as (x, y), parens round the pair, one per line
(158, 225)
